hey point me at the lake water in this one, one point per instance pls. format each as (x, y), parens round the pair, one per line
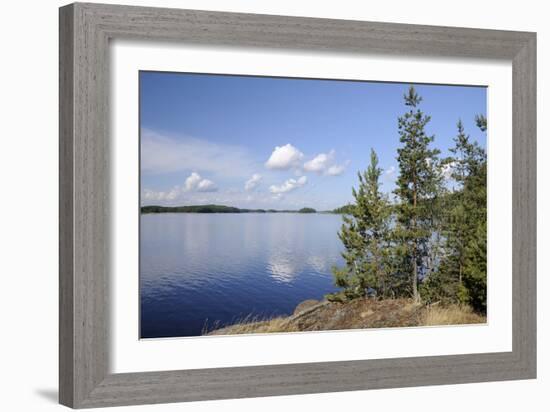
(198, 269)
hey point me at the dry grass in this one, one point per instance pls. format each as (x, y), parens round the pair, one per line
(357, 314)
(256, 325)
(451, 315)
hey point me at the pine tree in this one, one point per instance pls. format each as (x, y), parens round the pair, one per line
(465, 165)
(475, 192)
(465, 215)
(481, 122)
(458, 223)
(417, 187)
(364, 234)
(475, 270)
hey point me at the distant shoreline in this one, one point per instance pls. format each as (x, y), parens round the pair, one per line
(230, 209)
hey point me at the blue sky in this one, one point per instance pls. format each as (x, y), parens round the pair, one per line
(259, 142)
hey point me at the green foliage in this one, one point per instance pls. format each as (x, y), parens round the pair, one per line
(431, 243)
(191, 209)
(365, 236)
(342, 210)
(475, 271)
(418, 185)
(216, 209)
(481, 122)
(461, 277)
(471, 226)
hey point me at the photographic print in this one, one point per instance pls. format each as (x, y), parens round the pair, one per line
(279, 205)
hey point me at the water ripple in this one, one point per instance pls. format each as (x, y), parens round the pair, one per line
(223, 267)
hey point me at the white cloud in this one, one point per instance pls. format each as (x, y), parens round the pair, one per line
(288, 185)
(168, 154)
(151, 195)
(324, 163)
(192, 181)
(319, 163)
(178, 196)
(193, 184)
(253, 182)
(196, 182)
(390, 171)
(335, 170)
(284, 158)
(206, 185)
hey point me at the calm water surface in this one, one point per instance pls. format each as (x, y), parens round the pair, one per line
(198, 270)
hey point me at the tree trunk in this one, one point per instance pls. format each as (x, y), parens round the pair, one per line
(416, 297)
(415, 266)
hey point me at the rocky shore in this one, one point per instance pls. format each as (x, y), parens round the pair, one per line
(312, 315)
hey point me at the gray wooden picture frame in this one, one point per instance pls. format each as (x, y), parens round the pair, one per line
(85, 32)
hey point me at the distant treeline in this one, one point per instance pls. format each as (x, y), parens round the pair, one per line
(347, 209)
(216, 209)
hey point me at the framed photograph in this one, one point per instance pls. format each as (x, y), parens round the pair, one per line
(255, 205)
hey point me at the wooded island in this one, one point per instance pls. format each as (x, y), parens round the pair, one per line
(219, 209)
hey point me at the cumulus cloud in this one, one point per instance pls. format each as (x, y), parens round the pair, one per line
(336, 170)
(253, 182)
(319, 163)
(193, 184)
(324, 163)
(192, 181)
(206, 185)
(288, 186)
(284, 158)
(196, 182)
